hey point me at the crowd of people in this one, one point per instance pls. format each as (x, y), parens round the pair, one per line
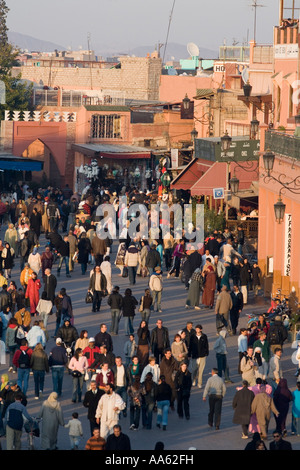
(53, 231)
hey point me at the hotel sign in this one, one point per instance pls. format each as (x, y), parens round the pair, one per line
(287, 244)
(286, 51)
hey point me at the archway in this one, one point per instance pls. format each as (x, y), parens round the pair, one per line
(40, 151)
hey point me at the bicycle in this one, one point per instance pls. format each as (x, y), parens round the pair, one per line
(33, 430)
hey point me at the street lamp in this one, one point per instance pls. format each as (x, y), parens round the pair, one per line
(279, 209)
(234, 184)
(268, 159)
(226, 142)
(254, 125)
(194, 134)
(186, 102)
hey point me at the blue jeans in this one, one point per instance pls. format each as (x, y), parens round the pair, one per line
(23, 377)
(147, 412)
(132, 274)
(156, 295)
(162, 412)
(129, 325)
(222, 365)
(145, 314)
(39, 379)
(57, 379)
(66, 260)
(115, 318)
(77, 388)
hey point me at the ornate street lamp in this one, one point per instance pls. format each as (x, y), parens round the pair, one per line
(254, 125)
(186, 102)
(234, 184)
(279, 209)
(226, 142)
(268, 159)
(194, 134)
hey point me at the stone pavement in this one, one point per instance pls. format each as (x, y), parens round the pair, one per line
(180, 434)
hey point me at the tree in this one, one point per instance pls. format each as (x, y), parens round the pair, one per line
(17, 93)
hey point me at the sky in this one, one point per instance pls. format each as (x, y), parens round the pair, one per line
(125, 24)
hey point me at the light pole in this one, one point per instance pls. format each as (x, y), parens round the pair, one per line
(225, 145)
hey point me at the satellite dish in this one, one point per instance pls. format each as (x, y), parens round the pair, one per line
(245, 75)
(172, 71)
(193, 49)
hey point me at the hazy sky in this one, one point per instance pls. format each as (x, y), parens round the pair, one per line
(125, 24)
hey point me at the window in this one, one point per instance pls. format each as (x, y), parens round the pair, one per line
(106, 126)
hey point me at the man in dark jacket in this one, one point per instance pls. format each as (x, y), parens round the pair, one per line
(237, 307)
(58, 360)
(103, 337)
(115, 301)
(90, 402)
(198, 352)
(8, 395)
(168, 367)
(279, 443)
(14, 419)
(117, 440)
(63, 248)
(159, 340)
(241, 404)
(152, 258)
(67, 333)
(50, 283)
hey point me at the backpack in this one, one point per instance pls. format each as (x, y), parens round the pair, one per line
(24, 360)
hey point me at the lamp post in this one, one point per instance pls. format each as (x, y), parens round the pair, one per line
(254, 125)
(186, 102)
(247, 89)
(225, 145)
(234, 184)
(268, 159)
(279, 209)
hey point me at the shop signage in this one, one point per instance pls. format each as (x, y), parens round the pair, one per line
(287, 244)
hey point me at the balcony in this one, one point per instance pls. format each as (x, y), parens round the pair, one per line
(287, 145)
(286, 35)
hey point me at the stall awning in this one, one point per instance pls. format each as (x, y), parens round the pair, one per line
(190, 174)
(215, 177)
(11, 162)
(112, 151)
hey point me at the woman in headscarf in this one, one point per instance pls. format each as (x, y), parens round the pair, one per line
(7, 259)
(143, 343)
(52, 417)
(195, 289)
(282, 398)
(32, 292)
(210, 276)
(34, 260)
(11, 236)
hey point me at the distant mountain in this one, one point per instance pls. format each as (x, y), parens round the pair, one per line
(173, 52)
(23, 41)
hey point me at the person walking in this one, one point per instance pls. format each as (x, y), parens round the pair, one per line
(14, 420)
(168, 368)
(117, 440)
(96, 442)
(148, 399)
(44, 308)
(222, 309)
(296, 411)
(135, 392)
(90, 401)
(163, 401)
(32, 292)
(198, 352)
(84, 250)
(50, 283)
(183, 385)
(279, 443)
(98, 286)
(21, 361)
(282, 398)
(210, 281)
(143, 348)
(129, 305)
(241, 404)
(221, 352)
(249, 367)
(75, 431)
(57, 362)
(194, 290)
(78, 366)
(159, 340)
(156, 287)
(132, 260)
(179, 349)
(237, 307)
(262, 405)
(146, 305)
(215, 390)
(39, 365)
(52, 417)
(107, 413)
(115, 301)
(275, 368)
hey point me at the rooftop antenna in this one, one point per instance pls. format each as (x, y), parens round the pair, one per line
(255, 5)
(169, 25)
